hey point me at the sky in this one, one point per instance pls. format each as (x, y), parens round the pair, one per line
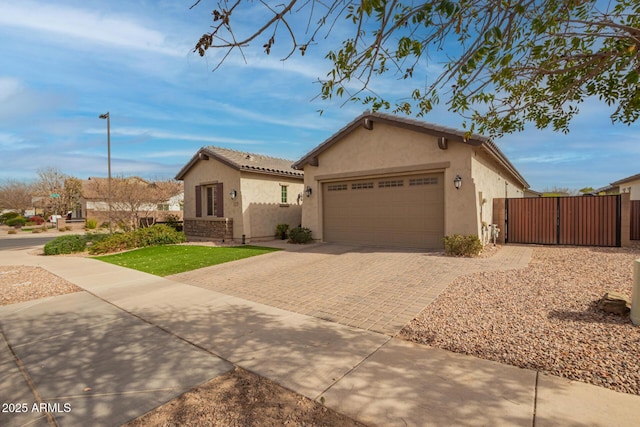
(65, 62)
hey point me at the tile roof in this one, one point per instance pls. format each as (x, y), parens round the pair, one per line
(241, 160)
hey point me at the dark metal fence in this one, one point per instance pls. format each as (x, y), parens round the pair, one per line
(635, 220)
(581, 221)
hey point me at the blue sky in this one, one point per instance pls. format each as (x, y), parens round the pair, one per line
(66, 62)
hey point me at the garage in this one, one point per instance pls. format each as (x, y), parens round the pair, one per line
(398, 211)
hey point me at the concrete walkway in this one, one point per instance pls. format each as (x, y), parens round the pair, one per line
(133, 341)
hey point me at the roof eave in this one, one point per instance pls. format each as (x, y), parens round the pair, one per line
(627, 179)
(205, 151)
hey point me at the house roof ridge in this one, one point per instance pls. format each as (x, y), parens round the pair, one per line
(416, 125)
(244, 161)
(214, 147)
(623, 180)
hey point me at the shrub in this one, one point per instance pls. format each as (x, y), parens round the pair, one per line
(37, 220)
(16, 221)
(458, 245)
(158, 234)
(300, 235)
(92, 238)
(65, 245)
(91, 224)
(174, 222)
(281, 231)
(8, 215)
(12, 232)
(113, 243)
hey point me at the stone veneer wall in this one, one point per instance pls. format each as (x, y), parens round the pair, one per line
(209, 229)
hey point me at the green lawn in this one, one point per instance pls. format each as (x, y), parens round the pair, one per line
(173, 259)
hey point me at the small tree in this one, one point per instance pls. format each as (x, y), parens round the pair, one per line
(16, 195)
(132, 198)
(56, 192)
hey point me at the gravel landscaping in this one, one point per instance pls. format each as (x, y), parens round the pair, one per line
(543, 317)
(21, 283)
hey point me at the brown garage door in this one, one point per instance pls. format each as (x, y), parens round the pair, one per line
(400, 211)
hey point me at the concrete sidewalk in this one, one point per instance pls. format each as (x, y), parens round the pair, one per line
(134, 336)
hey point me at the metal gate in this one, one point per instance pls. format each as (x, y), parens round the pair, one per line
(635, 220)
(579, 221)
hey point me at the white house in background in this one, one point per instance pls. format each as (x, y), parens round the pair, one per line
(630, 184)
(94, 202)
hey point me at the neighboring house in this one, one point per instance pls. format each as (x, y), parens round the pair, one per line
(630, 184)
(529, 193)
(390, 181)
(236, 195)
(148, 199)
(604, 191)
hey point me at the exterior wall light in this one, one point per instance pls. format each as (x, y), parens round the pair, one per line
(457, 181)
(308, 191)
(233, 194)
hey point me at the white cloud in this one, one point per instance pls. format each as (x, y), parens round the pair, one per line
(9, 87)
(554, 158)
(169, 154)
(124, 131)
(9, 141)
(85, 25)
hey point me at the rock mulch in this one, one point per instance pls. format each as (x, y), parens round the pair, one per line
(22, 283)
(240, 398)
(543, 317)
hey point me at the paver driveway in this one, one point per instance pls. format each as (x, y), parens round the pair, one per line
(369, 288)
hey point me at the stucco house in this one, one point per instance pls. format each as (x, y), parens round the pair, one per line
(390, 181)
(630, 184)
(234, 195)
(151, 201)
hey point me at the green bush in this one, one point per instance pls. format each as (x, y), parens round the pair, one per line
(7, 216)
(150, 236)
(300, 235)
(158, 234)
(113, 243)
(458, 245)
(18, 220)
(174, 222)
(65, 245)
(281, 231)
(92, 238)
(91, 224)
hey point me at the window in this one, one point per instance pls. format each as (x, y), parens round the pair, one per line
(283, 194)
(209, 198)
(163, 207)
(386, 184)
(423, 181)
(362, 185)
(336, 187)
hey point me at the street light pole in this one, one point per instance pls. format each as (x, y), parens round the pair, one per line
(106, 116)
